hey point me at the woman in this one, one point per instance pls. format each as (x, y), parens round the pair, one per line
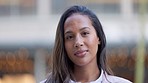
(79, 50)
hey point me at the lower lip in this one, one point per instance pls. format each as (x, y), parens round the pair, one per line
(81, 54)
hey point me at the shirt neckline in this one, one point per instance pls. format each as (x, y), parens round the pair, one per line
(99, 80)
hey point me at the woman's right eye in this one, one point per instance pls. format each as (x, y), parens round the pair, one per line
(69, 37)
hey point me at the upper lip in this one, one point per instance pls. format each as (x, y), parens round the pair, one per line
(79, 51)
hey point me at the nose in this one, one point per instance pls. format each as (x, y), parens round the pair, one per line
(79, 42)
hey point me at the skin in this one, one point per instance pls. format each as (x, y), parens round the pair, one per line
(81, 44)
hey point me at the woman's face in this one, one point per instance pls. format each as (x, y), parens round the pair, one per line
(81, 41)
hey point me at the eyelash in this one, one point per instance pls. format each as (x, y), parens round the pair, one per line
(85, 33)
(70, 37)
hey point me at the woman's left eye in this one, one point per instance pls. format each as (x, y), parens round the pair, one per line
(85, 33)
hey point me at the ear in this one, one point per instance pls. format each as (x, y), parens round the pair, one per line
(99, 42)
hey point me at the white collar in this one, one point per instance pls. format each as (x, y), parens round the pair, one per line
(99, 80)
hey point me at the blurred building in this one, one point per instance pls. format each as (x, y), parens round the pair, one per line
(27, 31)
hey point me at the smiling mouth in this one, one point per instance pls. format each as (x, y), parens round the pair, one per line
(80, 53)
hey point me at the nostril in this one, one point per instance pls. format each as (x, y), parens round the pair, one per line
(79, 45)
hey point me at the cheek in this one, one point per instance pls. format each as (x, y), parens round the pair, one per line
(93, 40)
(68, 47)
(93, 44)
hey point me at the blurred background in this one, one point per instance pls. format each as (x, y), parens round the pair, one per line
(27, 32)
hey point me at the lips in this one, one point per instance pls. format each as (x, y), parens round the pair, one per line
(80, 53)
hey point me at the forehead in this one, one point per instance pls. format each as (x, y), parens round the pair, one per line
(77, 20)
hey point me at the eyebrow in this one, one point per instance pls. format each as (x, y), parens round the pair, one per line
(84, 28)
(80, 30)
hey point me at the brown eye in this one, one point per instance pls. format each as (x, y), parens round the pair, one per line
(85, 33)
(69, 37)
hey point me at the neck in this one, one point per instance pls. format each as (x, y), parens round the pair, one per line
(86, 73)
